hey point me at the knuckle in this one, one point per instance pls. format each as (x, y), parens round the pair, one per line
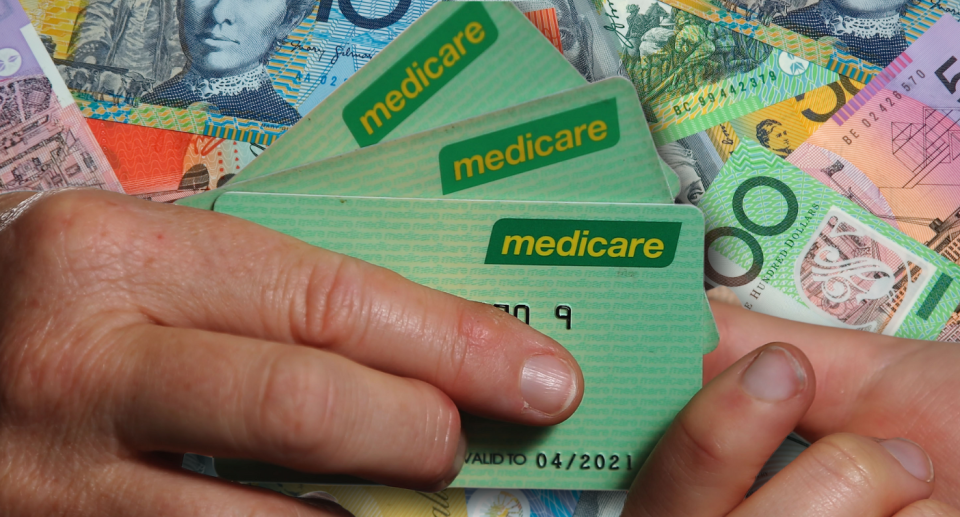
(72, 221)
(53, 376)
(77, 240)
(439, 437)
(703, 450)
(480, 325)
(481, 330)
(335, 310)
(474, 334)
(844, 465)
(294, 399)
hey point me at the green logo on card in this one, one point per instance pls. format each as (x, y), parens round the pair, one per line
(559, 242)
(529, 146)
(420, 74)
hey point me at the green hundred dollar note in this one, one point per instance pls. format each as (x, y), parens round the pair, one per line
(790, 246)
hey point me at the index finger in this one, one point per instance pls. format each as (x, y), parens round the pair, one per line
(189, 268)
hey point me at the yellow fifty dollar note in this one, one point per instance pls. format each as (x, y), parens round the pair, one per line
(780, 127)
(783, 126)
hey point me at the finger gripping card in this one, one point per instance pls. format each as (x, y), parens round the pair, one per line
(619, 285)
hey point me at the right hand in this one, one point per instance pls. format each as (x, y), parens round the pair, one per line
(710, 455)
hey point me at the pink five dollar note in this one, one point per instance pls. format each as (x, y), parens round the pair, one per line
(894, 149)
(44, 141)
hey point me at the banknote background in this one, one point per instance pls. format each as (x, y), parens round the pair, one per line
(161, 163)
(44, 141)
(830, 33)
(124, 59)
(590, 48)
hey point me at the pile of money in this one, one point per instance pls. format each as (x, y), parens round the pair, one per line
(588, 166)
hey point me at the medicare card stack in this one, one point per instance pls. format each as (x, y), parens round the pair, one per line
(471, 157)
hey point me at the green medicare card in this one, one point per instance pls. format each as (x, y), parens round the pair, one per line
(586, 144)
(457, 61)
(619, 285)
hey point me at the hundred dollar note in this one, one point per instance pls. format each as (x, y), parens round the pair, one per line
(44, 141)
(853, 38)
(789, 246)
(238, 69)
(696, 159)
(693, 74)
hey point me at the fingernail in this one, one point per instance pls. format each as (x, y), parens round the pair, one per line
(458, 460)
(911, 456)
(775, 375)
(548, 384)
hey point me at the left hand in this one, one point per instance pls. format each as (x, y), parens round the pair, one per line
(868, 384)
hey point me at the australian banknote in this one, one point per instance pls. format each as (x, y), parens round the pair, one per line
(854, 39)
(790, 246)
(44, 141)
(378, 501)
(239, 70)
(164, 165)
(692, 73)
(782, 127)
(894, 149)
(576, 29)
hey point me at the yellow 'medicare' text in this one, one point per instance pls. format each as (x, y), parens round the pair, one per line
(529, 148)
(418, 78)
(580, 243)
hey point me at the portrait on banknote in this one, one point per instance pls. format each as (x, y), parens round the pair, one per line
(238, 69)
(124, 47)
(774, 136)
(868, 29)
(696, 163)
(202, 54)
(683, 163)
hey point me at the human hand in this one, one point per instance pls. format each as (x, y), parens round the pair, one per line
(710, 455)
(130, 330)
(867, 384)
